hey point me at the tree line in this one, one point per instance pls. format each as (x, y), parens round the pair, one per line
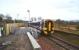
(8, 19)
(65, 23)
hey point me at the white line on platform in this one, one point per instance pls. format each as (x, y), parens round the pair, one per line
(34, 43)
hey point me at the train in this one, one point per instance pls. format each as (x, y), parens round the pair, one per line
(46, 27)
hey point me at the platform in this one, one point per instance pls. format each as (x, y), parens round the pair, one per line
(19, 41)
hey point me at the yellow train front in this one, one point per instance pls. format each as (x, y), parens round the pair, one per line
(47, 27)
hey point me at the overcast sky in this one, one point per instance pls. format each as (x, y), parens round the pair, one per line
(51, 9)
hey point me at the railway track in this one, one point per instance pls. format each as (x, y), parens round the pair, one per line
(76, 35)
(62, 43)
(71, 38)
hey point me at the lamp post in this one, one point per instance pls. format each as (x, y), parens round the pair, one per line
(29, 16)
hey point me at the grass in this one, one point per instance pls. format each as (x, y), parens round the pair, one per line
(70, 38)
(76, 32)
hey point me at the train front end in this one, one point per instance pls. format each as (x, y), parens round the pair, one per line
(47, 27)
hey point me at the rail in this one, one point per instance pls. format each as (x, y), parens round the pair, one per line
(63, 43)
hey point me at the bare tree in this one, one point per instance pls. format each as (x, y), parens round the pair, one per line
(1, 17)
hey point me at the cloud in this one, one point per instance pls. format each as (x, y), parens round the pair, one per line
(63, 9)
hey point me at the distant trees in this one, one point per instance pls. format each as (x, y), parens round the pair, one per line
(5, 18)
(33, 19)
(1, 17)
(67, 22)
(61, 22)
(19, 21)
(8, 17)
(58, 21)
(36, 19)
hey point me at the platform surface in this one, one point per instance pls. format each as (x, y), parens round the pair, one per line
(19, 41)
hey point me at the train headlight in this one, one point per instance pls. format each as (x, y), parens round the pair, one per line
(52, 28)
(45, 32)
(44, 28)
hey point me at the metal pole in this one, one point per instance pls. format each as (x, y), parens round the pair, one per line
(29, 16)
